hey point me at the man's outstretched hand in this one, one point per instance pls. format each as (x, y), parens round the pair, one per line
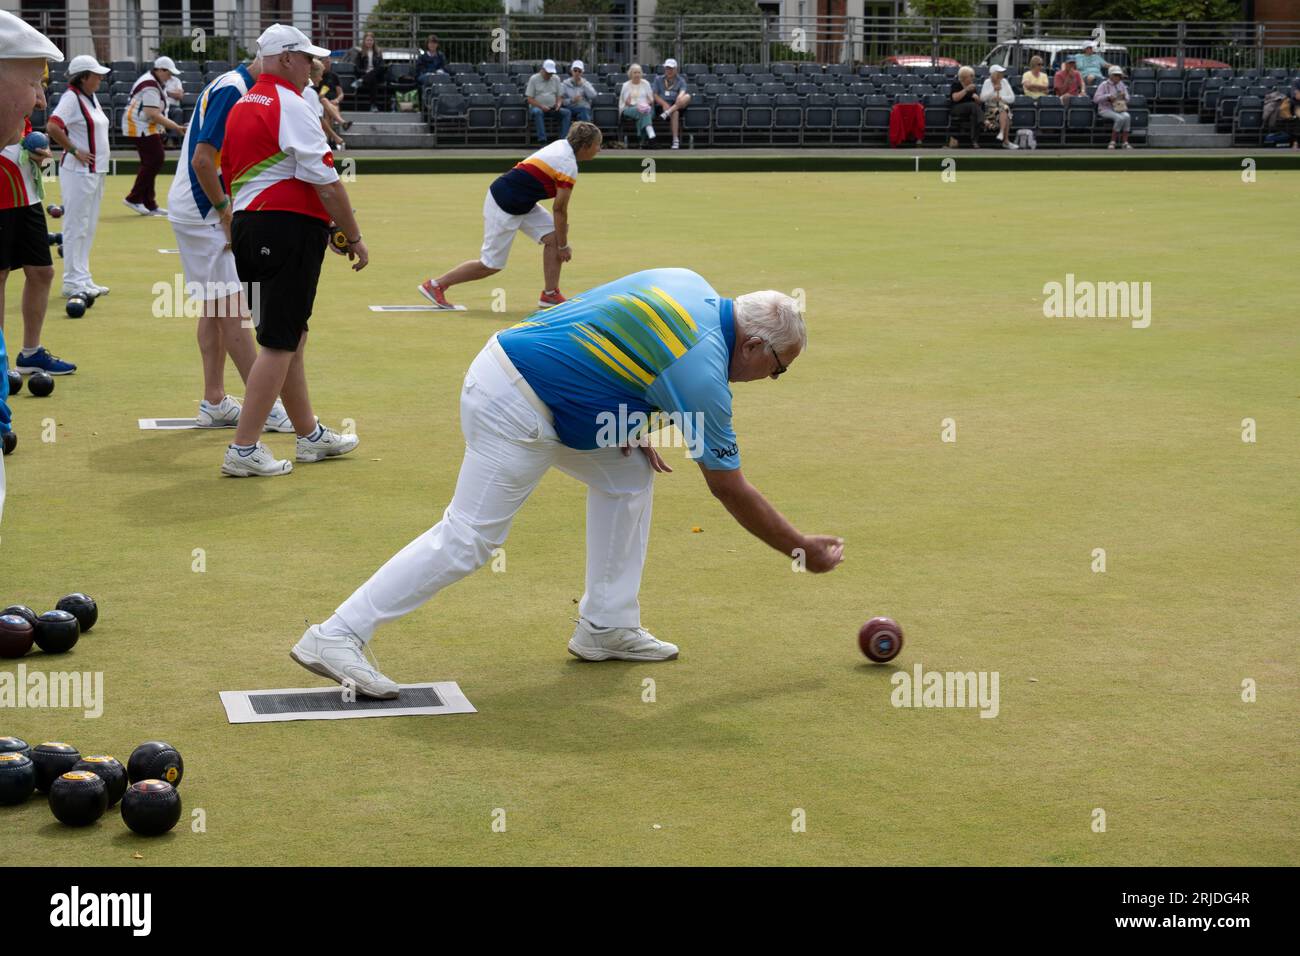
(822, 552)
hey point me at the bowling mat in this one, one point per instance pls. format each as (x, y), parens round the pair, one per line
(329, 703)
(170, 252)
(170, 424)
(413, 308)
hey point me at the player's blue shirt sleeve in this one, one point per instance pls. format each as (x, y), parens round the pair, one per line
(695, 388)
(4, 386)
(213, 130)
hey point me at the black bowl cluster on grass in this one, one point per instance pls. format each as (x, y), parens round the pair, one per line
(80, 789)
(54, 632)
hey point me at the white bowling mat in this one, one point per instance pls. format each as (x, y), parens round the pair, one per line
(329, 703)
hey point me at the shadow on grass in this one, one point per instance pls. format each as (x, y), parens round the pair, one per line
(584, 710)
(198, 493)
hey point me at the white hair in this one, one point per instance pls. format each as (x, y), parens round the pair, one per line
(772, 316)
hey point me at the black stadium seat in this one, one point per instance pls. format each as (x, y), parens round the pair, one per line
(938, 116)
(1142, 81)
(698, 121)
(787, 119)
(728, 118)
(1024, 113)
(1170, 89)
(604, 113)
(758, 119)
(875, 118)
(847, 123)
(1248, 121)
(1051, 120)
(819, 118)
(1080, 117)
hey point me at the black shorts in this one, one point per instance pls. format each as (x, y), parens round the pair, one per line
(278, 257)
(24, 240)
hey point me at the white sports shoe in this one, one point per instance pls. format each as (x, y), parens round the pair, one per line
(618, 643)
(342, 659)
(278, 420)
(259, 463)
(329, 444)
(225, 414)
(649, 132)
(99, 289)
(160, 211)
(135, 207)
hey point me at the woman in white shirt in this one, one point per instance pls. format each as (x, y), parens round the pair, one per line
(997, 97)
(80, 126)
(636, 101)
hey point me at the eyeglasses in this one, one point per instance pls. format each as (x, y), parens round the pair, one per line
(780, 368)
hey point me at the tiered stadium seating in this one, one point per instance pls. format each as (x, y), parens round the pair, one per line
(792, 104)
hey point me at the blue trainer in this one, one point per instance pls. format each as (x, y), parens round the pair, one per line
(42, 361)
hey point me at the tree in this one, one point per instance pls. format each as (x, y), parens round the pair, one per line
(942, 8)
(1116, 10)
(484, 7)
(731, 15)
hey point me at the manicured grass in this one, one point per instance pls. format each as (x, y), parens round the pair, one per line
(1119, 690)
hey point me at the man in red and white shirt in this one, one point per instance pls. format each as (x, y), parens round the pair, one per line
(285, 194)
(23, 56)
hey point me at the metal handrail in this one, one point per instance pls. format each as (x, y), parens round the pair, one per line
(707, 39)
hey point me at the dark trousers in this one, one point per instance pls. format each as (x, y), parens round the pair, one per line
(150, 149)
(966, 117)
(371, 88)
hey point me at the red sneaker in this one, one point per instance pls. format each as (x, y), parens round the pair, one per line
(548, 299)
(435, 295)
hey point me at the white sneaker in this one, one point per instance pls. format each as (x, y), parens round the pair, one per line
(663, 116)
(278, 420)
(329, 444)
(649, 132)
(224, 414)
(341, 659)
(999, 137)
(160, 211)
(618, 643)
(677, 144)
(260, 462)
(1010, 146)
(99, 289)
(135, 207)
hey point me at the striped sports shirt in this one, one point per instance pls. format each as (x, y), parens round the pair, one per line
(659, 340)
(275, 152)
(551, 168)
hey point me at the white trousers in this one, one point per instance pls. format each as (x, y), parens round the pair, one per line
(82, 193)
(509, 445)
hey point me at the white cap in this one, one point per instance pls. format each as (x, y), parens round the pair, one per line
(1089, 43)
(21, 41)
(86, 64)
(282, 38)
(165, 63)
(670, 64)
(548, 66)
(997, 68)
(577, 65)
(1115, 71)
